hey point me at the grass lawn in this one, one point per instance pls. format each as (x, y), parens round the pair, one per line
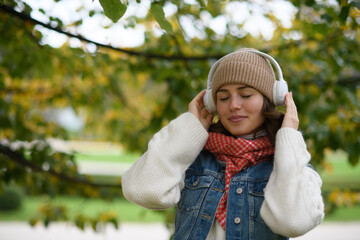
(340, 174)
(344, 214)
(107, 157)
(126, 211)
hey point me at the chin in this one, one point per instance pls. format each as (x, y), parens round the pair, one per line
(239, 132)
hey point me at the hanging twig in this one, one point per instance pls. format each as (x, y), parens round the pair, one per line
(26, 17)
(20, 159)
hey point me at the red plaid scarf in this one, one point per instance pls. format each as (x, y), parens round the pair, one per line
(237, 153)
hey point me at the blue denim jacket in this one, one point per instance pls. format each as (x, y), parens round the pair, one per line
(204, 188)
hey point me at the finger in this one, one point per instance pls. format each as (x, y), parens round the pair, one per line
(204, 113)
(199, 99)
(293, 105)
(287, 98)
(200, 95)
(289, 101)
(291, 112)
(209, 118)
(291, 116)
(197, 104)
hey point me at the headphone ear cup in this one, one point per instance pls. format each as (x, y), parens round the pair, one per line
(279, 91)
(209, 102)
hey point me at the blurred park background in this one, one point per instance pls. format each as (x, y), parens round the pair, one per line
(85, 84)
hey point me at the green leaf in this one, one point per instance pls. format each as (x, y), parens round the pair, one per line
(113, 9)
(92, 13)
(309, 3)
(344, 13)
(354, 159)
(159, 15)
(354, 154)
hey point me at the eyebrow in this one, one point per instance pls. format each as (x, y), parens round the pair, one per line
(239, 88)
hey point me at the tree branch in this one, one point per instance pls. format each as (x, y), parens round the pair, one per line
(20, 159)
(350, 81)
(26, 17)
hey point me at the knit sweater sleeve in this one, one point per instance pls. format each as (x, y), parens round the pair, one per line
(156, 179)
(293, 204)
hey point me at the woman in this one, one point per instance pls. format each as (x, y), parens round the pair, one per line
(244, 177)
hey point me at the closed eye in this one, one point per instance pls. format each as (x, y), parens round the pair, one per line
(245, 96)
(224, 98)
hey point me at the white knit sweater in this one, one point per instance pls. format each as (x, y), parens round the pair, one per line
(292, 206)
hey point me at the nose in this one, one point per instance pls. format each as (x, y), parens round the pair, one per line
(235, 103)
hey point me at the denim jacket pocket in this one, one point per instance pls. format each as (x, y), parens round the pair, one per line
(256, 198)
(194, 191)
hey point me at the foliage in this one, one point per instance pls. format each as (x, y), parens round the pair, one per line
(125, 95)
(113, 9)
(10, 199)
(48, 213)
(341, 198)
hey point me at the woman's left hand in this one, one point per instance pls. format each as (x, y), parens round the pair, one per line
(291, 119)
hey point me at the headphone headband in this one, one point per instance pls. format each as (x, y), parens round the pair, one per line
(279, 90)
(266, 56)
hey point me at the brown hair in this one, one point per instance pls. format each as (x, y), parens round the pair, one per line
(272, 123)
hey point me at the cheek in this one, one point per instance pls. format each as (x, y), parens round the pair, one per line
(221, 111)
(254, 106)
(220, 107)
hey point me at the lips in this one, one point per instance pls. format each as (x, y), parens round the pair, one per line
(237, 118)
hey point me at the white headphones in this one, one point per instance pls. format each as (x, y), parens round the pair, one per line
(279, 90)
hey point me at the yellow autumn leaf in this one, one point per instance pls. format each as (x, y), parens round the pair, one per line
(333, 122)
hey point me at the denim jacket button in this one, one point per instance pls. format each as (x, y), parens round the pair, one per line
(239, 191)
(237, 220)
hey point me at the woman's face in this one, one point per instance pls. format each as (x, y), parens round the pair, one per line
(240, 108)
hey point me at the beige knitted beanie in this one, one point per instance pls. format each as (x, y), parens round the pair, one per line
(241, 67)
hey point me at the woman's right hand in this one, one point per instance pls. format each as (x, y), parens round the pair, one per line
(196, 107)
